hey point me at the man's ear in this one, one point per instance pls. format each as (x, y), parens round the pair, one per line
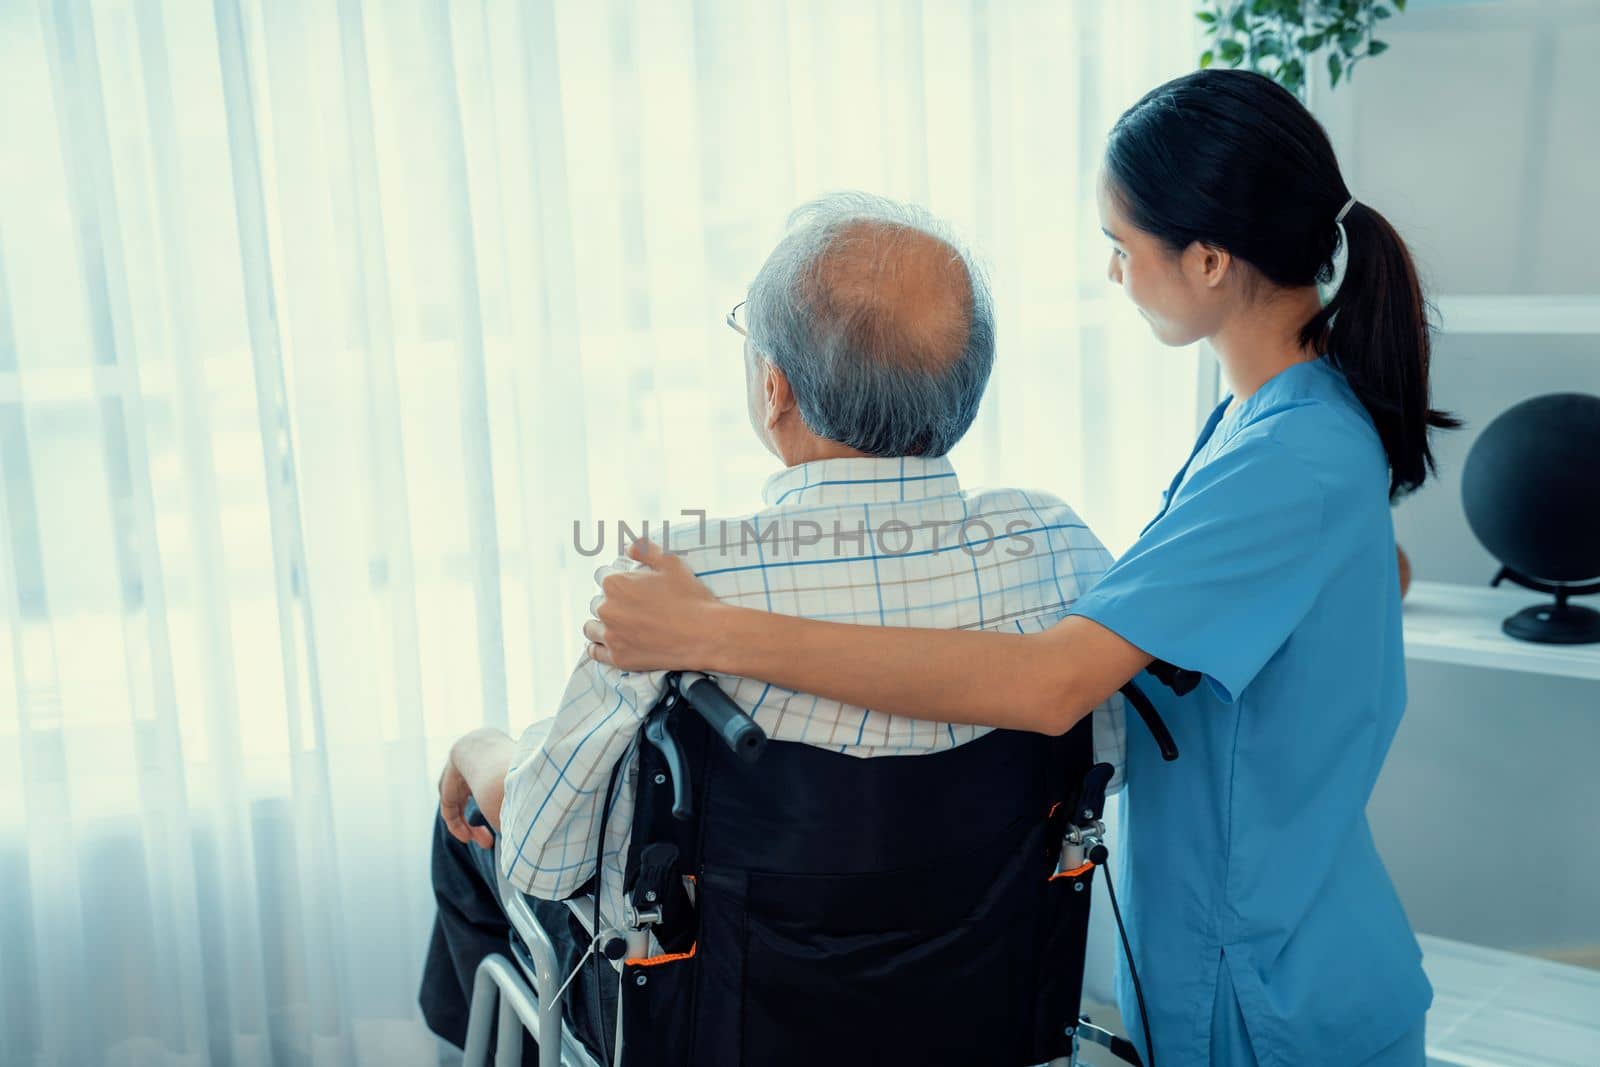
(1207, 264)
(779, 396)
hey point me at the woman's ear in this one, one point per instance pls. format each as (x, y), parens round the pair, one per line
(1207, 265)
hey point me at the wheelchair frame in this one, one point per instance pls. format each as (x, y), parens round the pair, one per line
(525, 983)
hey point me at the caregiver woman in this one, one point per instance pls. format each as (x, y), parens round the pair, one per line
(1264, 925)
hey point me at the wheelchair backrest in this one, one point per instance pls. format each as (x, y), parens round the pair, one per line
(898, 909)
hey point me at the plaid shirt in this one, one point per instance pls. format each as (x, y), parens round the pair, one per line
(885, 542)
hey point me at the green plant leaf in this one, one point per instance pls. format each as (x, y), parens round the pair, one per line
(1279, 38)
(1292, 75)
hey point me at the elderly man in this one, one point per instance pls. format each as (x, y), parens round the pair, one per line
(868, 339)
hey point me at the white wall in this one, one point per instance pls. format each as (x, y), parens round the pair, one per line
(1478, 135)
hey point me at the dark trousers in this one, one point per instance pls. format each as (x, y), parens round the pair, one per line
(470, 925)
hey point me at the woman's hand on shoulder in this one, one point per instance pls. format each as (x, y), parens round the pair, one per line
(656, 617)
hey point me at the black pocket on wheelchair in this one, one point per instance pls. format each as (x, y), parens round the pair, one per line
(909, 977)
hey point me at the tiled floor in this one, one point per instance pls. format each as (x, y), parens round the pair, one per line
(1500, 1009)
(1490, 1009)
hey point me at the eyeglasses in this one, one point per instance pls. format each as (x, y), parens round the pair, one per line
(733, 320)
(736, 321)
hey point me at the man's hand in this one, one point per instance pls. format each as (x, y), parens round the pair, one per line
(453, 796)
(476, 770)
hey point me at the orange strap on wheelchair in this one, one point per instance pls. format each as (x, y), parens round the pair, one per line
(656, 961)
(1075, 872)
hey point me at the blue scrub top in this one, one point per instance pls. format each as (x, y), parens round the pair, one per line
(1271, 571)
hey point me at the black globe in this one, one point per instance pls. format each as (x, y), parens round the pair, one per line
(1531, 489)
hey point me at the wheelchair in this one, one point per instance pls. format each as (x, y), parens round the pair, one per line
(788, 905)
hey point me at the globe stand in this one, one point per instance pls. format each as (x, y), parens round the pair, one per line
(1560, 623)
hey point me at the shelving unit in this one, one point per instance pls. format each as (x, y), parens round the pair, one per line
(1491, 1007)
(1461, 624)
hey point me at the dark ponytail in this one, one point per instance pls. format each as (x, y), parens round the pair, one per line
(1376, 330)
(1231, 159)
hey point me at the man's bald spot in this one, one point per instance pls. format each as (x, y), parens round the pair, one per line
(905, 292)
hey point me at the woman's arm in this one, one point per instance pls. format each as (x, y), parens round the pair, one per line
(661, 617)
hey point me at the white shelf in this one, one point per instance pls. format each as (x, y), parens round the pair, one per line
(1492, 1008)
(1461, 624)
(1574, 313)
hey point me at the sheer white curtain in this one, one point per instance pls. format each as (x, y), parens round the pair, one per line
(322, 322)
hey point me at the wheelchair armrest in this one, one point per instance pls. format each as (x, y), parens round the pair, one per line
(515, 905)
(545, 978)
(540, 948)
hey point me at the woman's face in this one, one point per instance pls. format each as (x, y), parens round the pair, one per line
(1179, 293)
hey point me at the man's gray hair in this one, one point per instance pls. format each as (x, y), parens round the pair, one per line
(886, 337)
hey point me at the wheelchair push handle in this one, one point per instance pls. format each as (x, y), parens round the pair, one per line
(727, 720)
